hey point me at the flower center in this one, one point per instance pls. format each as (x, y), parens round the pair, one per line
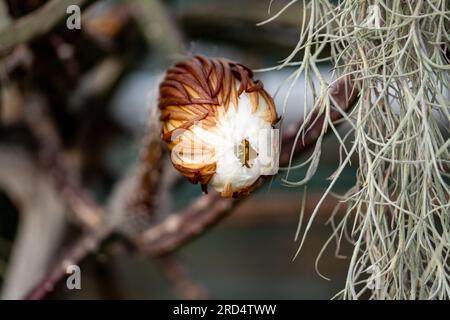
(245, 153)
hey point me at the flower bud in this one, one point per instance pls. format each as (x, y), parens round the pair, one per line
(218, 124)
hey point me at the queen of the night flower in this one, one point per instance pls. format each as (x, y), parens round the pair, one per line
(219, 124)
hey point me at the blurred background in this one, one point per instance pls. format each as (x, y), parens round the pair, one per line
(99, 84)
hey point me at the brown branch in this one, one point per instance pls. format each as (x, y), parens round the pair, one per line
(141, 192)
(179, 228)
(85, 245)
(86, 212)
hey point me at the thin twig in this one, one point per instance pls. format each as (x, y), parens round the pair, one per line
(82, 247)
(86, 212)
(179, 228)
(131, 202)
